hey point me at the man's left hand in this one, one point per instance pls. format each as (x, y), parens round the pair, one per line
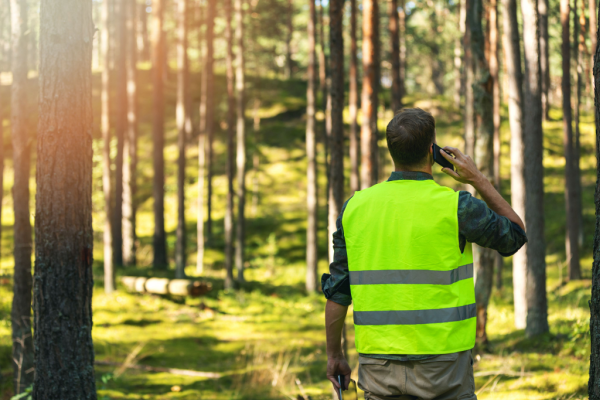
(338, 366)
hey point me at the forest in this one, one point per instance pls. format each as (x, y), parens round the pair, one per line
(171, 172)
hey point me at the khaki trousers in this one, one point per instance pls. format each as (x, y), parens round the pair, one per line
(445, 377)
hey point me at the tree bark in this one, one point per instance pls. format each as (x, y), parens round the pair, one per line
(458, 57)
(289, 63)
(64, 352)
(572, 248)
(469, 113)
(241, 141)
(311, 171)
(322, 59)
(395, 51)
(22, 351)
(537, 305)
(231, 109)
(142, 32)
(181, 118)
(353, 102)
(402, 25)
(542, 6)
(206, 126)
(484, 118)
(594, 382)
(109, 272)
(130, 142)
(336, 65)
(158, 133)
(370, 91)
(593, 30)
(437, 65)
(581, 52)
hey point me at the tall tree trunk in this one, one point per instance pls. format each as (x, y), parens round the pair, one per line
(594, 382)
(336, 169)
(158, 133)
(469, 113)
(64, 352)
(395, 51)
(121, 129)
(353, 102)
(289, 63)
(572, 247)
(402, 26)
(109, 271)
(537, 305)
(22, 352)
(206, 125)
(311, 149)
(581, 52)
(182, 110)
(255, 157)
(437, 66)
(593, 30)
(458, 57)
(229, 280)
(484, 118)
(542, 6)
(130, 142)
(322, 58)
(240, 84)
(512, 57)
(370, 86)
(142, 32)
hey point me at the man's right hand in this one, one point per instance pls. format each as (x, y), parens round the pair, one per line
(466, 170)
(338, 366)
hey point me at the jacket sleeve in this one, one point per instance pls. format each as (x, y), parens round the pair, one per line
(477, 223)
(336, 284)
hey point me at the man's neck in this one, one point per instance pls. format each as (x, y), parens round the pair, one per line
(426, 169)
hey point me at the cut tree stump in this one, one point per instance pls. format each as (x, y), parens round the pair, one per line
(164, 286)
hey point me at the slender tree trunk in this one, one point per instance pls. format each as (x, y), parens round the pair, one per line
(311, 149)
(109, 272)
(581, 52)
(368, 134)
(181, 118)
(22, 352)
(402, 25)
(437, 65)
(542, 6)
(142, 32)
(158, 133)
(289, 63)
(64, 352)
(130, 143)
(570, 177)
(353, 102)
(255, 157)
(322, 58)
(593, 30)
(469, 114)
(395, 51)
(484, 118)
(458, 58)
(229, 280)
(336, 169)
(594, 382)
(537, 305)
(241, 140)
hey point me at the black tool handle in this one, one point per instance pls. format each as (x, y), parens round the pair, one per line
(341, 382)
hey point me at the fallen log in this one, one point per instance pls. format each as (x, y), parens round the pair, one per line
(164, 286)
(174, 371)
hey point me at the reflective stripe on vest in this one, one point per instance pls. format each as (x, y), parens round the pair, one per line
(411, 286)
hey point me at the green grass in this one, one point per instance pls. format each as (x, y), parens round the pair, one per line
(267, 338)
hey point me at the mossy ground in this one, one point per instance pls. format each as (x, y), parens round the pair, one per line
(266, 339)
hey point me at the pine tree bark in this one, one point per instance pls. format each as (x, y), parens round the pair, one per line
(353, 102)
(370, 92)
(322, 59)
(130, 142)
(231, 121)
(64, 352)
(571, 239)
(580, 53)
(289, 63)
(158, 133)
(458, 57)
(594, 382)
(484, 118)
(105, 126)
(537, 305)
(336, 93)
(240, 84)
(437, 65)
(544, 56)
(469, 113)
(311, 149)
(593, 18)
(395, 51)
(22, 351)
(181, 119)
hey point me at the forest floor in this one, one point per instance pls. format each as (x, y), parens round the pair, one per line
(266, 339)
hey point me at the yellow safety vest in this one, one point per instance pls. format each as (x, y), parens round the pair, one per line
(412, 288)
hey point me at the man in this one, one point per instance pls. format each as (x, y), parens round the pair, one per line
(403, 256)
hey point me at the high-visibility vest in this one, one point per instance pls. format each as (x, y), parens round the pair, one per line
(411, 286)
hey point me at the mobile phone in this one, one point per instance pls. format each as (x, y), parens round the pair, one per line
(438, 158)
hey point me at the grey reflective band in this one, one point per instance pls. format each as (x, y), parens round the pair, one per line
(411, 276)
(415, 317)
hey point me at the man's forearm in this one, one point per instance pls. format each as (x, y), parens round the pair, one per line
(335, 315)
(495, 201)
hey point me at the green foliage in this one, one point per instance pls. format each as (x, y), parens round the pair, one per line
(26, 395)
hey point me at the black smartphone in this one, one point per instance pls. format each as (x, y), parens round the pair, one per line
(438, 158)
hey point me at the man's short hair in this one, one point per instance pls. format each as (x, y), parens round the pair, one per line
(409, 136)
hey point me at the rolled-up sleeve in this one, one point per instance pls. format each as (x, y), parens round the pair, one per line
(336, 284)
(477, 223)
